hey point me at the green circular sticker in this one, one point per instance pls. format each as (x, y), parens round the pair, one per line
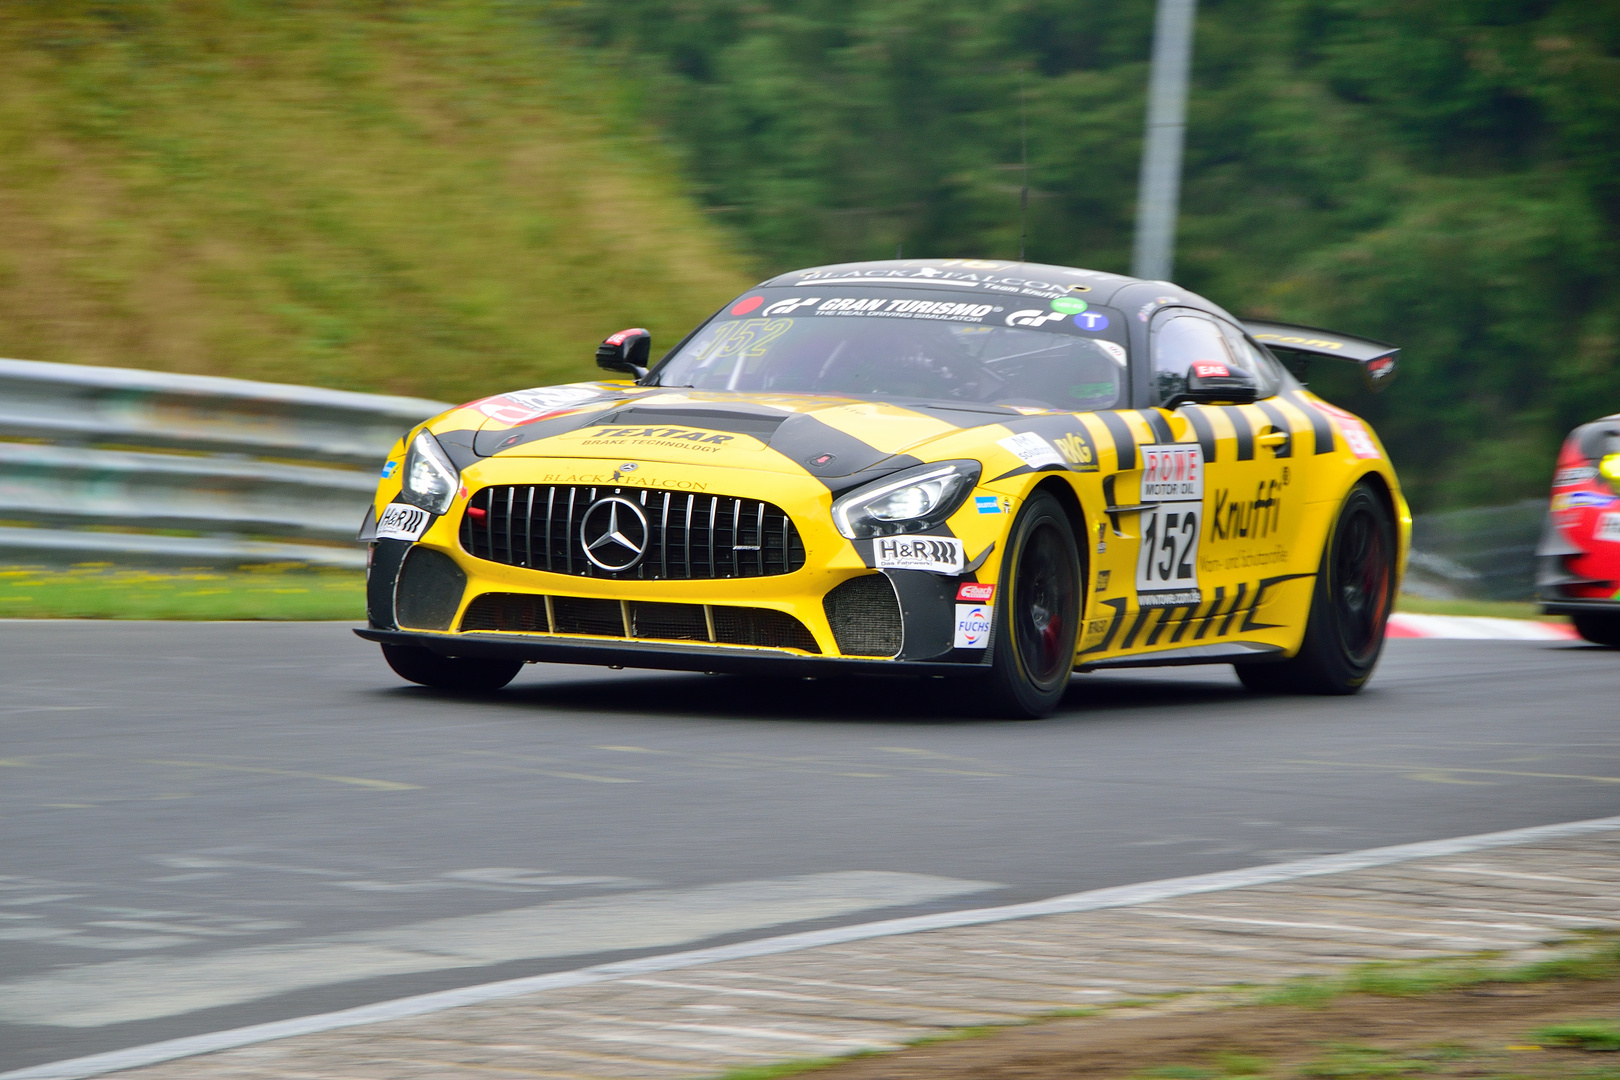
(1069, 305)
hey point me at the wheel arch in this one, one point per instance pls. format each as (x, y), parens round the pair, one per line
(1386, 496)
(1064, 493)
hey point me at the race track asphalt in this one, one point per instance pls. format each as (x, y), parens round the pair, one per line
(211, 825)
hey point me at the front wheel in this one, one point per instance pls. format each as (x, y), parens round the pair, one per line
(1355, 589)
(1598, 627)
(463, 673)
(1038, 618)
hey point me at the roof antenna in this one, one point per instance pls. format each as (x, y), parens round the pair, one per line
(1023, 153)
(900, 250)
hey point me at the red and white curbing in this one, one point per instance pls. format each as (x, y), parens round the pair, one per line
(1402, 625)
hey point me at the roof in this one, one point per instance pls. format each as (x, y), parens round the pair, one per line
(979, 275)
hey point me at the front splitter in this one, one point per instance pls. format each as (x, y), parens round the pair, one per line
(732, 660)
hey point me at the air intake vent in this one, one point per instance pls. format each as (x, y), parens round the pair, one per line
(525, 613)
(865, 616)
(662, 534)
(428, 591)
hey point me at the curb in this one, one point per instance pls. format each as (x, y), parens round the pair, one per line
(1477, 627)
(1096, 899)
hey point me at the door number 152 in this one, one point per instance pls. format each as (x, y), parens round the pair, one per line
(1169, 555)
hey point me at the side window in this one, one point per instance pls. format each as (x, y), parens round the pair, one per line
(1266, 371)
(1179, 342)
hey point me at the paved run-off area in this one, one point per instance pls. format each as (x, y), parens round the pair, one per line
(885, 992)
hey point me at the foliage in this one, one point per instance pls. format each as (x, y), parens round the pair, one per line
(418, 196)
(1445, 175)
(1582, 1035)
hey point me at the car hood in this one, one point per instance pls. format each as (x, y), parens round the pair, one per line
(828, 436)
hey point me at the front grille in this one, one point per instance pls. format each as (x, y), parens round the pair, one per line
(865, 616)
(537, 526)
(759, 627)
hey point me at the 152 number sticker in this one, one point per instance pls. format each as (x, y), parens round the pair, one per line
(1169, 555)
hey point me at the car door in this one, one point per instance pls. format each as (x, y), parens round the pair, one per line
(1233, 527)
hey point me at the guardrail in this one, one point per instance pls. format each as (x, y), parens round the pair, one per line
(115, 465)
(1485, 553)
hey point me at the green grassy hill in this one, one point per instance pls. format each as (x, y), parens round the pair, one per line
(412, 197)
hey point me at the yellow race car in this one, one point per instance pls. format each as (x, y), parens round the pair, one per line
(995, 472)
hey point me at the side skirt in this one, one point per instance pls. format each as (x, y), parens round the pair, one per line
(1237, 652)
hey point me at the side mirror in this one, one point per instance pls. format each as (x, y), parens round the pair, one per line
(1212, 383)
(626, 352)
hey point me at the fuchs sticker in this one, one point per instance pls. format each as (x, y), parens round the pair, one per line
(1172, 472)
(936, 554)
(522, 406)
(1031, 449)
(972, 626)
(1608, 528)
(973, 592)
(401, 522)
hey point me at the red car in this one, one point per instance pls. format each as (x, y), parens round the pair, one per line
(1579, 555)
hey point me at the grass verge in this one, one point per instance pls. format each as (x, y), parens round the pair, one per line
(104, 592)
(1501, 609)
(1600, 959)
(1300, 1047)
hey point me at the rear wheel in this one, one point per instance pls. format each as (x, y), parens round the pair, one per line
(1598, 627)
(464, 673)
(1038, 618)
(1349, 607)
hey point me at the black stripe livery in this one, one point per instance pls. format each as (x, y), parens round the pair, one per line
(1280, 422)
(1319, 422)
(1136, 627)
(1157, 424)
(1124, 441)
(1206, 434)
(1119, 606)
(1259, 595)
(1245, 433)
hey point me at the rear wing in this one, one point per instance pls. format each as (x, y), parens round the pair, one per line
(1377, 358)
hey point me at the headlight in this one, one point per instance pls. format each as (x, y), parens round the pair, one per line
(910, 501)
(1609, 469)
(430, 480)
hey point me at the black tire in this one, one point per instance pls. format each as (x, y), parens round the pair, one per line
(1355, 590)
(1037, 615)
(464, 673)
(1598, 627)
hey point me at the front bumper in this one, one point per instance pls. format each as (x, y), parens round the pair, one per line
(729, 659)
(454, 604)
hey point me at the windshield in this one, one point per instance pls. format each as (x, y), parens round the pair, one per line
(908, 343)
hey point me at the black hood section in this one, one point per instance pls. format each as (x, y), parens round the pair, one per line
(836, 458)
(758, 423)
(490, 443)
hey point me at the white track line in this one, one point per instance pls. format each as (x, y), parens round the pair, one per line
(1119, 896)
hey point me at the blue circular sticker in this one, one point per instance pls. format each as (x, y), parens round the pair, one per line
(1091, 320)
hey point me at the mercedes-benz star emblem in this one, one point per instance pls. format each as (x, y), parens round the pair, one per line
(614, 532)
